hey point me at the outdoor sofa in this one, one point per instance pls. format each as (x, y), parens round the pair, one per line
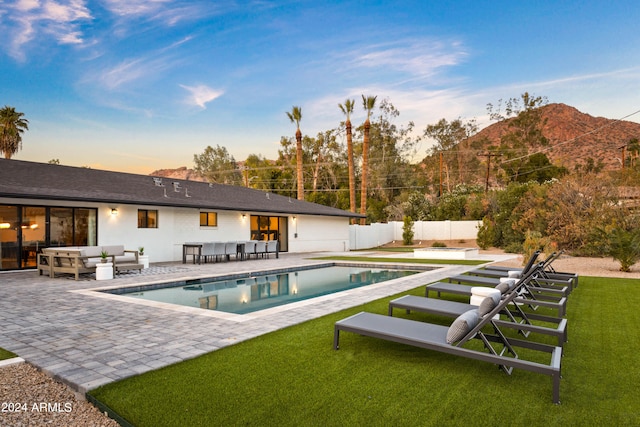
(78, 260)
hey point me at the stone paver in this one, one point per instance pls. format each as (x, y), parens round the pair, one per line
(87, 339)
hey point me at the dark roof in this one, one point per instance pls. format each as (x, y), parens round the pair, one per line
(20, 179)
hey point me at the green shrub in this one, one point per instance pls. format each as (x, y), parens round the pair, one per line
(486, 234)
(513, 248)
(407, 231)
(623, 245)
(437, 244)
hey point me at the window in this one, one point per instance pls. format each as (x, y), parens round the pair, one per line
(147, 218)
(208, 219)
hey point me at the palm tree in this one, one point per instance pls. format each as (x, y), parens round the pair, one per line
(347, 109)
(12, 125)
(368, 103)
(295, 116)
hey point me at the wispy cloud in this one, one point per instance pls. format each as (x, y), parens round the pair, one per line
(201, 95)
(418, 58)
(26, 20)
(167, 11)
(130, 70)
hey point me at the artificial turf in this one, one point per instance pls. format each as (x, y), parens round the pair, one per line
(5, 354)
(293, 377)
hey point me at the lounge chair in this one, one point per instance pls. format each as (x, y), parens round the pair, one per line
(450, 339)
(517, 318)
(549, 286)
(546, 272)
(529, 294)
(531, 263)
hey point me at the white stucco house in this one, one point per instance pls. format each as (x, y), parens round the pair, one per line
(43, 205)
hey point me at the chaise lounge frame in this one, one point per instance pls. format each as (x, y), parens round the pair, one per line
(433, 337)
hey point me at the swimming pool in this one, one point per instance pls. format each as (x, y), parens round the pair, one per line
(242, 295)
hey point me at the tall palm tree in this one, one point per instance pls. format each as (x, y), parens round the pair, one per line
(12, 125)
(368, 103)
(347, 109)
(295, 116)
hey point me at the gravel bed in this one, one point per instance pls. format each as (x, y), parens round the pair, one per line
(31, 398)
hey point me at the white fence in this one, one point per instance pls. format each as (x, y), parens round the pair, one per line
(377, 234)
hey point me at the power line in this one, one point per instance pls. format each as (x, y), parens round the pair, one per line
(614, 122)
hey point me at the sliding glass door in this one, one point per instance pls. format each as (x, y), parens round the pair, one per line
(270, 228)
(25, 230)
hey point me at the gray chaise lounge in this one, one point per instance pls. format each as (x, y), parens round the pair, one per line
(441, 338)
(454, 309)
(531, 295)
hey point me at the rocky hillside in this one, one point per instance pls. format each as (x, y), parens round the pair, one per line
(575, 136)
(180, 173)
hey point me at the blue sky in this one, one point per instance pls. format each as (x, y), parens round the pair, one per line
(140, 85)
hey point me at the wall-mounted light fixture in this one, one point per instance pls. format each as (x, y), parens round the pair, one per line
(4, 225)
(114, 212)
(293, 218)
(244, 216)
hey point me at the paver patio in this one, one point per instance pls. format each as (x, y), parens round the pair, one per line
(88, 339)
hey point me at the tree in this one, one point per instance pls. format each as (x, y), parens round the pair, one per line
(539, 168)
(217, 165)
(260, 173)
(621, 238)
(12, 125)
(448, 137)
(295, 116)
(525, 123)
(347, 110)
(368, 103)
(407, 231)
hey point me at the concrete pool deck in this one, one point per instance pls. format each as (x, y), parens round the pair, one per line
(87, 339)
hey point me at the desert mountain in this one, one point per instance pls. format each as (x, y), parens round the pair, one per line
(575, 137)
(180, 173)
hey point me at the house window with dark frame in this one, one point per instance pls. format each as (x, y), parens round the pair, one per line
(147, 218)
(208, 219)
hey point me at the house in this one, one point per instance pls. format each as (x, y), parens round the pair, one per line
(44, 205)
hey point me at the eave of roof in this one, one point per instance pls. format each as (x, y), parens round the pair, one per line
(43, 181)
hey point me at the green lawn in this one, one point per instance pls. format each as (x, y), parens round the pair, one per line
(293, 377)
(4, 354)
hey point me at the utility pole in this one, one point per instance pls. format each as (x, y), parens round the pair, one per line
(488, 156)
(440, 195)
(624, 151)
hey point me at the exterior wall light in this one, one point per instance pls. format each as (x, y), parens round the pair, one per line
(114, 212)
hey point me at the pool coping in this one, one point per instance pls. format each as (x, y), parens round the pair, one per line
(107, 292)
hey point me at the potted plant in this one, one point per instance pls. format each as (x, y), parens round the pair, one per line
(144, 259)
(104, 255)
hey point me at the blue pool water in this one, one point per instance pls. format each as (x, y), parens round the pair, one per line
(249, 294)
